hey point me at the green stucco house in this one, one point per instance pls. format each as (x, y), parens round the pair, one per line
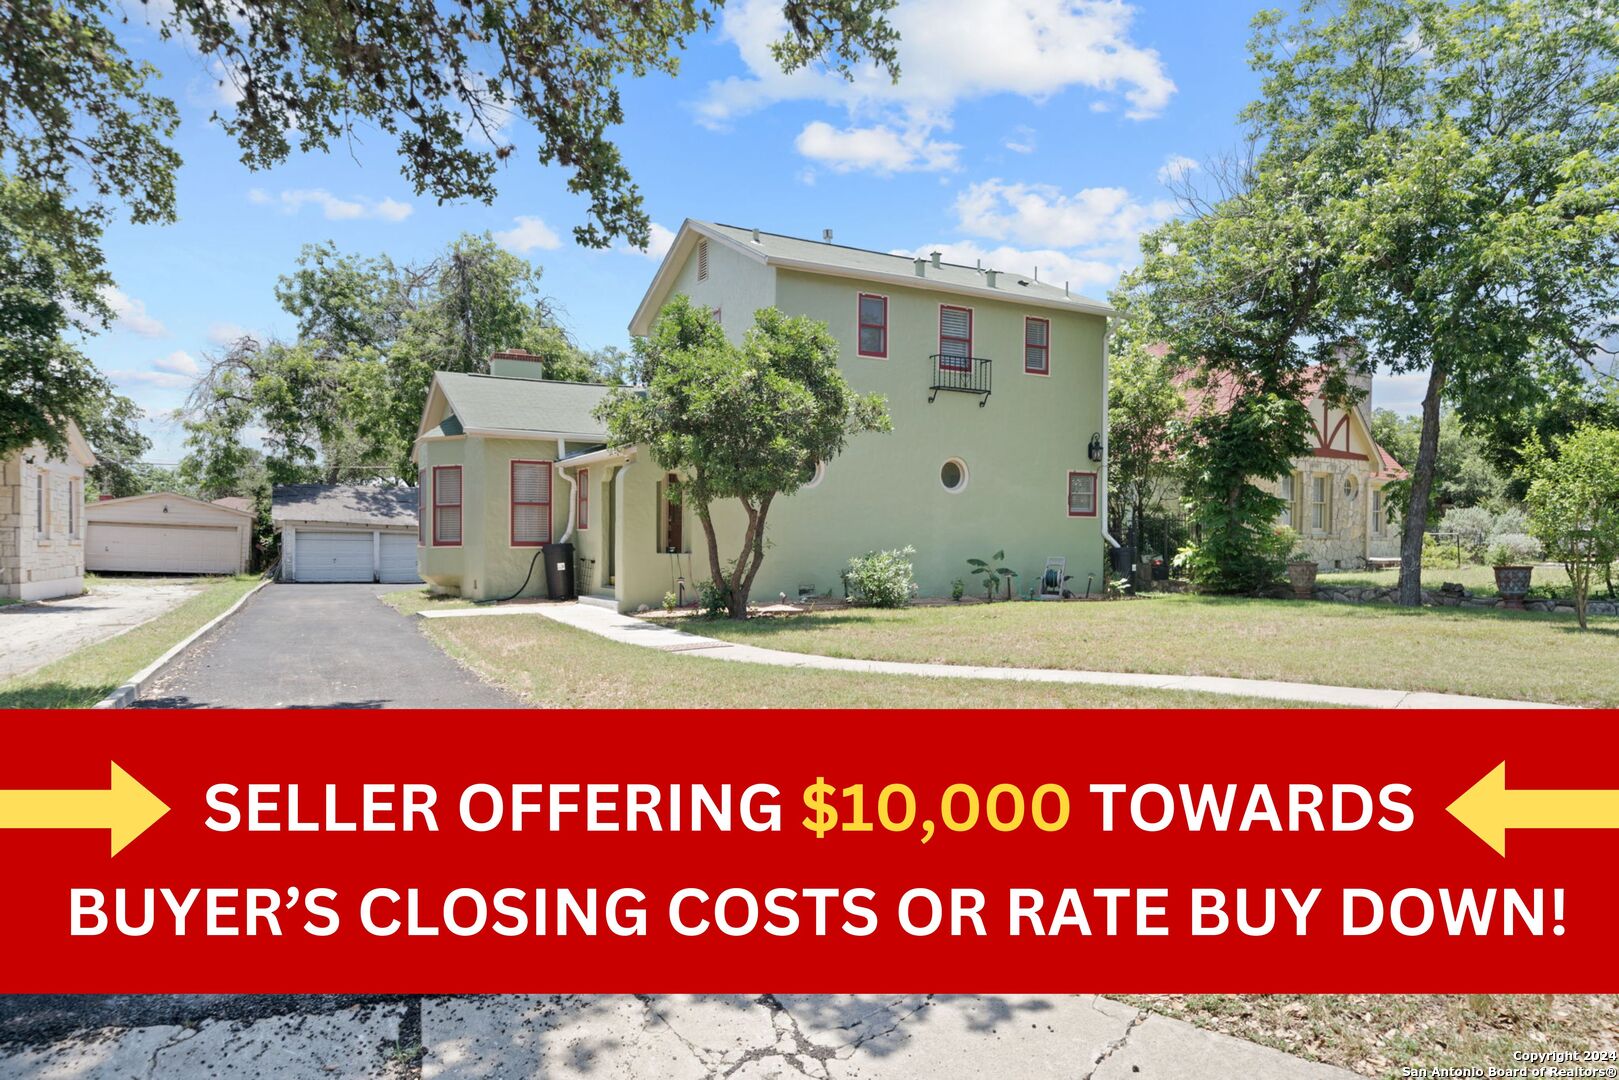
(996, 384)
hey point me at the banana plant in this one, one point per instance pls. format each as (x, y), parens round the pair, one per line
(991, 573)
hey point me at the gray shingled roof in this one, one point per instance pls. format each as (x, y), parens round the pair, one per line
(488, 401)
(343, 504)
(1015, 281)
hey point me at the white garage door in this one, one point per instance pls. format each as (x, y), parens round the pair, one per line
(332, 556)
(162, 549)
(399, 557)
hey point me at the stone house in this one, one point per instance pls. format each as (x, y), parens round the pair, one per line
(42, 520)
(1335, 494)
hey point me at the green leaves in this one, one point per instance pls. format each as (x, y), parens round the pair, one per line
(746, 422)
(1573, 502)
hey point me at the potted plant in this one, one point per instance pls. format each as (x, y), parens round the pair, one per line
(1512, 555)
(1301, 569)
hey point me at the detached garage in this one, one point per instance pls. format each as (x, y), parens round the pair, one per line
(165, 533)
(346, 532)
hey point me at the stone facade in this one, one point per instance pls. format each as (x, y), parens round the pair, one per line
(1351, 535)
(41, 560)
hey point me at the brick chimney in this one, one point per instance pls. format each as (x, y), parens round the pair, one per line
(516, 364)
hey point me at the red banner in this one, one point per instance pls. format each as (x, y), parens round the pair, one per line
(811, 851)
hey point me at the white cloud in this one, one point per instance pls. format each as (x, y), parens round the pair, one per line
(176, 370)
(1104, 221)
(1176, 167)
(178, 362)
(527, 234)
(226, 333)
(952, 51)
(1021, 141)
(130, 313)
(332, 207)
(659, 241)
(880, 148)
(1083, 274)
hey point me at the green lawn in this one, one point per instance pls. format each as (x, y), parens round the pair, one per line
(1525, 656)
(553, 665)
(1550, 581)
(1379, 1035)
(84, 678)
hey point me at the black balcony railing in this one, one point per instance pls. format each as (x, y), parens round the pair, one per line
(964, 374)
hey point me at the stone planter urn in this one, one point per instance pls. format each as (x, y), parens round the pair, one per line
(1512, 584)
(1301, 572)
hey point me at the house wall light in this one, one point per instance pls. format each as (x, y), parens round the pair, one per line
(1095, 449)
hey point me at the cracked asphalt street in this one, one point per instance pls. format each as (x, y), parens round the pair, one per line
(508, 1037)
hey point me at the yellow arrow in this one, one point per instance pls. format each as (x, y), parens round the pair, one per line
(1489, 809)
(125, 809)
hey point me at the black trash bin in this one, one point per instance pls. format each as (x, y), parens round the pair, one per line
(559, 571)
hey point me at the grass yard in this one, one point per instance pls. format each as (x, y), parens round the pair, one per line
(1518, 655)
(84, 678)
(1378, 1035)
(1550, 581)
(553, 665)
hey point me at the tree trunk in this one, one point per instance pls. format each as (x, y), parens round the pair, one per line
(1416, 511)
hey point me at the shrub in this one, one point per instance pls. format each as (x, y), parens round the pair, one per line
(1219, 567)
(714, 599)
(1510, 520)
(1473, 526)
(670, 601)
(1437, 554)
(1512, 549)
(958, 589)
(883, 579)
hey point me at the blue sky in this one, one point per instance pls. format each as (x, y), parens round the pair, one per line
(1026, 132)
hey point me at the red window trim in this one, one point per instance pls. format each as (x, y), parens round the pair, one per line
(421, 515)
(459, 505)
(512, 504)
(1095, 493)
(581, 486)
(1046, 348)
(967, 363)
(861, 325)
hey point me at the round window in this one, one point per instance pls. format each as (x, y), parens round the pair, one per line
(953, 475)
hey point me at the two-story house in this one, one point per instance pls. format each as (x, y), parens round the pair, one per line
(996, 385)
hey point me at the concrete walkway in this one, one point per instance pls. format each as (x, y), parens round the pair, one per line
(33, 635)
(748, 1037)
(632, 631)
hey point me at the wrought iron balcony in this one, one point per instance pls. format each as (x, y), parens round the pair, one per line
(964, 374)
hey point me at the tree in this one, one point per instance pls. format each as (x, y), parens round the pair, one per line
(748, 422)
(456, 86)
(1463, 159)
(50, 280)
(1465, 472)
(1573, 503)
(113, 431)
(1233, 291)
(1142, 401)
(342, 401)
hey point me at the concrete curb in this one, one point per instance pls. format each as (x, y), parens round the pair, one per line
(130, 691)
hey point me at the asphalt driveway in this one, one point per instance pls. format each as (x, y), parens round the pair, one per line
(319, 647)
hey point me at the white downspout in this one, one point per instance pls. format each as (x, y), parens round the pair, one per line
(573, 491)
(1107, 335)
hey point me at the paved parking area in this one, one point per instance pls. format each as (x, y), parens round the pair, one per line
(33, 635)
(319, 647)
(745, 1037)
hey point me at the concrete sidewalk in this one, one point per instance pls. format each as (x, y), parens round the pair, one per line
(745, 1037)
(632, 631)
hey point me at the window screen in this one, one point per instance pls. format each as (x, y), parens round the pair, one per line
(447, 504)
(1081, 494)
(1037, 346)
(955, 338)
(531, 503)
(873, 325)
